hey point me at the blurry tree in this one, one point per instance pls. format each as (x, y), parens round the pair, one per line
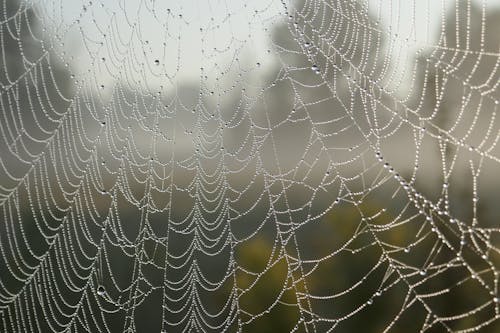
(297, 97)
(320, 88)
(455, 92)
(35, 89)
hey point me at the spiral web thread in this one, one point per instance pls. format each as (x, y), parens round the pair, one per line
(213, 166)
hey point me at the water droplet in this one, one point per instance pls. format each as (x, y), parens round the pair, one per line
(258, 64)
(307, 45)
(423, 272)
(157, 62)
(102, 86)
(407, 250)
(103, 59)
(314, 68)
(101, 291)
(369, 302)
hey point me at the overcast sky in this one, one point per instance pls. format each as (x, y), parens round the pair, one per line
(153, 43)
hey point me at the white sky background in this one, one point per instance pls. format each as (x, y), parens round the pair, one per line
(141, 32)
(134, 34)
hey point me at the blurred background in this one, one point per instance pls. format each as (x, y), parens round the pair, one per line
(272, 166)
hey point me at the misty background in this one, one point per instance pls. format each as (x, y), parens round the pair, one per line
(322, 166)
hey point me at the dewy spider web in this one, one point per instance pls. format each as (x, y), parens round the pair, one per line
(253, 166)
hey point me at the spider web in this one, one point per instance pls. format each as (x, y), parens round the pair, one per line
(236, 166)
